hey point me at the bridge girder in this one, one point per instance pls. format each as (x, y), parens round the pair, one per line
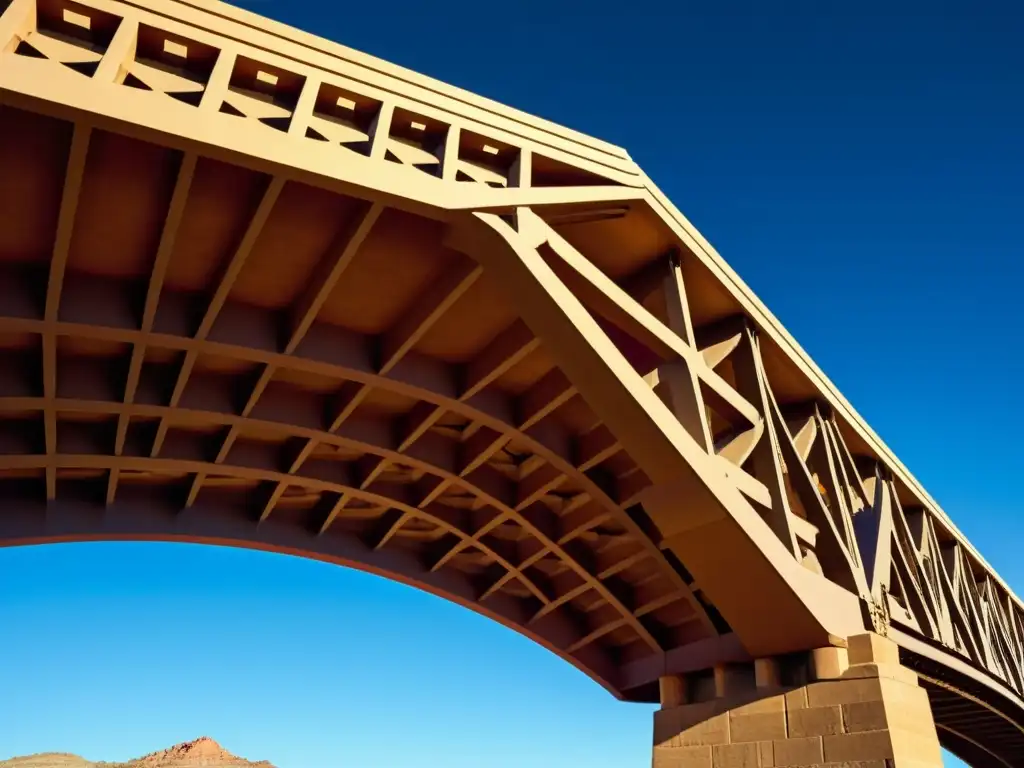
(770, 515)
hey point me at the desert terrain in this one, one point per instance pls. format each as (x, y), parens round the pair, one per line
(203, 752)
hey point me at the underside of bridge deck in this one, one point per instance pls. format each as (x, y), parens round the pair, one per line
(260, 290)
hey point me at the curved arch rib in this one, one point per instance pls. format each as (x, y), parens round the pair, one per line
(149, 517)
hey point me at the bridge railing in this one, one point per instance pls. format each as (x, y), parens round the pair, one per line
(857, 517)
(847, 513)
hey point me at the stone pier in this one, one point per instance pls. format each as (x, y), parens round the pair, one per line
(853, 707)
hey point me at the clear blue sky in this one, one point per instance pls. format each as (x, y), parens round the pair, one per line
(861, 170)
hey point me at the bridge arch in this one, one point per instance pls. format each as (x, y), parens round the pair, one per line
(285, 297)
(977, 719)
(148, 517)
(378, 402)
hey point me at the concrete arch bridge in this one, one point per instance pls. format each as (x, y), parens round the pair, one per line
(258, 289)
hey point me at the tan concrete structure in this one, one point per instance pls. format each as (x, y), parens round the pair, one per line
(257, 289)
(869, 712)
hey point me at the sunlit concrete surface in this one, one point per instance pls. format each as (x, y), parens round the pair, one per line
(262, 290)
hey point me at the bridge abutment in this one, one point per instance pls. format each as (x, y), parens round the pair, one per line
(831, 708)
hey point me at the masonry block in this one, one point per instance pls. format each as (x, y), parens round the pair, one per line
(796, 698)
(865, 716)
(798, 752)
(758, 727)
(736, 756)
(669, 723)
(710, 732)
(815, 721)
(683, 757)
(908, 745)
(763, 706)
(870, 648)
(877, 718)
(666, 726)
(829, 663)
(829, 693)
(873, 715)
(868, 745)
(904, 696)
(890, 671)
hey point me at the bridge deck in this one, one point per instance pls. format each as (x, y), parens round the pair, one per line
(259, 289)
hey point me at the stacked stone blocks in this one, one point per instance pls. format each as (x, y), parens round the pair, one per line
(861, 710)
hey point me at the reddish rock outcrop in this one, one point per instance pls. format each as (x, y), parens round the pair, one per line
(203, 752)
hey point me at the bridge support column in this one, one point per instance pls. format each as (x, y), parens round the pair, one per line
(833, 708)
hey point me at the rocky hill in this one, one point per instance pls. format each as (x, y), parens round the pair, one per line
(203, 752)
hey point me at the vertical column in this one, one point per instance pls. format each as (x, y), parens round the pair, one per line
(305, 106)
(726, 717)
(448, 153)
(380, 130)
(877, 712)
(836, 708)
(120, 54)
(220, 79)
(521, 172)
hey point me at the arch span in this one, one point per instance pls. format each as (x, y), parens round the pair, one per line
(380, 390)
(979, 719)
(149, 517)
(284, 296)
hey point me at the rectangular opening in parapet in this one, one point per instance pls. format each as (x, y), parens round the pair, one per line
(175, 50)
(548, 172)
(263, 92)
(344, 117)
(416, 140)
(77, 19)
(79, 24)
(72, 34)
(484, 160)
(171, 64)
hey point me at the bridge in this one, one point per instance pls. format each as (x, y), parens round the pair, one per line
(260, 290)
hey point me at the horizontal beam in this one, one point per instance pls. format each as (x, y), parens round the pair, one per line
(473, 197)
